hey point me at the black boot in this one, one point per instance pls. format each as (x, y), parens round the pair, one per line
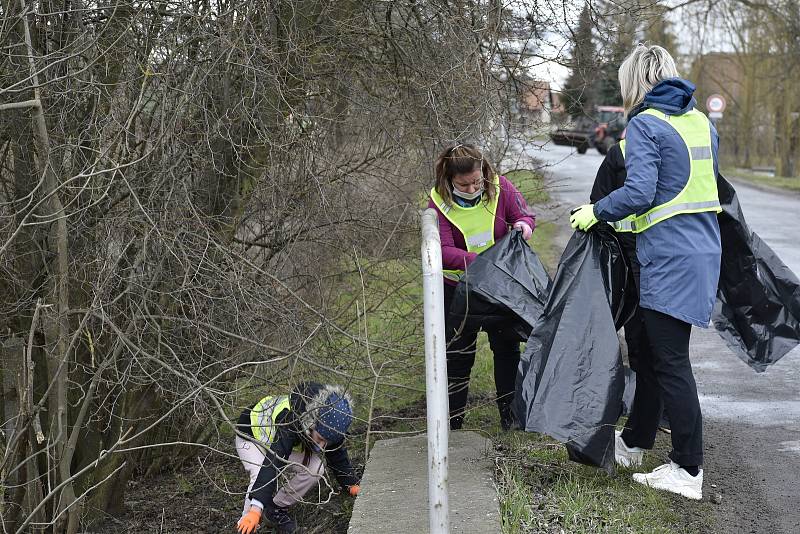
(280, 520)
(456, 422)
(508, 420)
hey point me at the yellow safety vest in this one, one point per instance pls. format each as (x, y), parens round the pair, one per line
(700, 192)
(263, 416)
(476, 223)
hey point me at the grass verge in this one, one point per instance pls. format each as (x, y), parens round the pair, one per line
(539, 489)
(780, 182)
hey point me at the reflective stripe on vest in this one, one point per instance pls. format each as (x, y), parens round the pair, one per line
(263, 416)
(700, 192)
(626, 224)
(476, 223)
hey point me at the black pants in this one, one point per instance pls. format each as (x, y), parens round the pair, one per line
(635, 332)
(664, 379)
(461, 357)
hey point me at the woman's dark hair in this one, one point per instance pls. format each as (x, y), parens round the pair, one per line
(462, 159)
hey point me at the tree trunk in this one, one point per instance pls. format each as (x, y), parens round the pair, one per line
(53, 209)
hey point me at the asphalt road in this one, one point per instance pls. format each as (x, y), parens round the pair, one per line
(751, 421)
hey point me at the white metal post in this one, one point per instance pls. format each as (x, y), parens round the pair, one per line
(435, 373)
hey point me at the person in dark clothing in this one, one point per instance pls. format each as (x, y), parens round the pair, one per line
(288, 435)
(610, 177)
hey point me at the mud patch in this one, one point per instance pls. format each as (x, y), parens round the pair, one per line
(203, 497)
(743, 507)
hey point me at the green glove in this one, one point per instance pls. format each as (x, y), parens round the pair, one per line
(583, 217)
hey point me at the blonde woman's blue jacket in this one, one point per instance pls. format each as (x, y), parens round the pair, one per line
(680, 256)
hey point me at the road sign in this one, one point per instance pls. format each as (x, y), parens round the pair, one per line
(716, 104)
(714, 115)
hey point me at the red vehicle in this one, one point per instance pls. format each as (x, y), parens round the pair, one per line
(610, 128)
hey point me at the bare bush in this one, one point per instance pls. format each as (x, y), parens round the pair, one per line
(202, 201)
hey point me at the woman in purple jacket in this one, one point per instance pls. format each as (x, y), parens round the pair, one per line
(476, 208)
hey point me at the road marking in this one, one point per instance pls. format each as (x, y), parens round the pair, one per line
(789, 446)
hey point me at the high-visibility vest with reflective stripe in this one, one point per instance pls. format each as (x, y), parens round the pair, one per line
(263, 416)
(476, 223)
(700, 192)
(626, 224)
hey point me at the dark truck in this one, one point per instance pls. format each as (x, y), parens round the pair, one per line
(601, 132)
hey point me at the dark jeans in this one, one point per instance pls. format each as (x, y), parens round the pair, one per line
(664, 380)
(461, 357)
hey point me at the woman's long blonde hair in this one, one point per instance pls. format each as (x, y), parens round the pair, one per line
(641, 71)
(462, 159)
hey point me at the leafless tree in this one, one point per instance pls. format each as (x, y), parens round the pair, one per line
(204, 200)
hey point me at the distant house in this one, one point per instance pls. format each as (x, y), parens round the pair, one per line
(537, 102)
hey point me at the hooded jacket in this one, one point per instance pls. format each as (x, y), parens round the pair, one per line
(293, 423)
(680, 256)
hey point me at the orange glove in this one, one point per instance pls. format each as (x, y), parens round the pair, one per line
(354, 489)
(248, 524)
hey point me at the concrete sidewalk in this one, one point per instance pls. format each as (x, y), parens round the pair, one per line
(394, 489)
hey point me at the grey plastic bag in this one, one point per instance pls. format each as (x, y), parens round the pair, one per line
(504, 288)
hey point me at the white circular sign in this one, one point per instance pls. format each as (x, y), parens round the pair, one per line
(716, 103)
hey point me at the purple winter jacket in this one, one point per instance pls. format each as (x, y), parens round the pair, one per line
(511, 207)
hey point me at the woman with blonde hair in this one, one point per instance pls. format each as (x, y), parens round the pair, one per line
(670, 201)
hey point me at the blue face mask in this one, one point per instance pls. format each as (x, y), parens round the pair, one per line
(468, 196)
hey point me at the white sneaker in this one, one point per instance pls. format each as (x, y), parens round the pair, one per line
(674, 478)
(624, 455)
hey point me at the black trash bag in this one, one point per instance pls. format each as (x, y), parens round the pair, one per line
(504, 288)
(757, 311)
(570, 382)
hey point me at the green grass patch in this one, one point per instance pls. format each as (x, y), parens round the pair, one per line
(543, 243)
(531, 184)
(780, 182)
(540, 490)
(533, 188)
